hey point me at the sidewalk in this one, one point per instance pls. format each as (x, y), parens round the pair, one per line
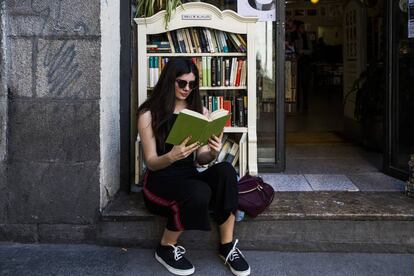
(45, 259)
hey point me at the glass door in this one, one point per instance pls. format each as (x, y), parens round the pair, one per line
(400, 108)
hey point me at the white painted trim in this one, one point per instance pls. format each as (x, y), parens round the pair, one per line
(110, 149)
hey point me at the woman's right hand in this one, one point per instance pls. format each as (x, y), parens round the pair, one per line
(181, 151)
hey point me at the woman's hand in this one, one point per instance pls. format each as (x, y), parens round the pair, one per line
(214, 143)
(181, 151)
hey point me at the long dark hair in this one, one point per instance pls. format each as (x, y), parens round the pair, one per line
(161, 103)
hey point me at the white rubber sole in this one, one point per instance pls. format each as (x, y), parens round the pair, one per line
(235, 272)
(172, 269)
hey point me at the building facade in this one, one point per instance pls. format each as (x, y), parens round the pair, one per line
(65, 113)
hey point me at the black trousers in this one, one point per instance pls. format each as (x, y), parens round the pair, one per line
(187, 202)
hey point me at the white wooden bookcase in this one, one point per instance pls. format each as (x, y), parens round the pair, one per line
(198, 14)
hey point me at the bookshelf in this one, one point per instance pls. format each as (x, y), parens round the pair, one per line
(191, 18)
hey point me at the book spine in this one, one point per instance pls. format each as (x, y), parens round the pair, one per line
(240, 111)
(204, 31)
(245, 109)
(149, 71)
(213, 71)
(236, 43)
(171, 42)
(214, 41)
(234, 112)
(181, 41)
(208, 71)
(218, 71)
(223, 42)
(218, 41)
(192, 40)
(202, 40)
(227, 72)
(227, 106)
(243, 73)
(196, 40)
(204, 70)
(238, 74)
(175, 41)
(210, 41)
(233, 69)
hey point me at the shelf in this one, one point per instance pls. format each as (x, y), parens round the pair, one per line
(196, 54)
(235, 130)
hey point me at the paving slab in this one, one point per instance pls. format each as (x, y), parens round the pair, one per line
(287, 182)
(376, 181)
(67, 259)
(330, 182)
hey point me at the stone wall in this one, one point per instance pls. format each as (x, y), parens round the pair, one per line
(51, 186)
(3, 116)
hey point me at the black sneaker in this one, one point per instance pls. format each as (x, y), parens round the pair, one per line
(235, 259)
(172, 258)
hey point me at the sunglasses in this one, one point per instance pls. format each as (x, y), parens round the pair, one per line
(183, 83)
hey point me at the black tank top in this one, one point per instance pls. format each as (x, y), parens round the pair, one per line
(179, 169)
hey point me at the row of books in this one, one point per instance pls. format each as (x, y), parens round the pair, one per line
(213, 71)
(237, 107)
(220, 71)
(197, 40)
(234, 151)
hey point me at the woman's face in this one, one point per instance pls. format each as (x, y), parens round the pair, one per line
(184, 84)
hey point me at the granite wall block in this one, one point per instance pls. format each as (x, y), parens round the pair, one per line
(20, 79)
(54, 131)
(44, 192)
(67, 233)
(3, 192)
(18, 233)
(54, 18)
(68, 69)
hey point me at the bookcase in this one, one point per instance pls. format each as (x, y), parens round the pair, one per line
(191, 23)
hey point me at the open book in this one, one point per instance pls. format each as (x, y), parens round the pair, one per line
(198, 126)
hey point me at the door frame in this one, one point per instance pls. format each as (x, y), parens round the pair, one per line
(392, 88)
(124, 97)
(280, 147)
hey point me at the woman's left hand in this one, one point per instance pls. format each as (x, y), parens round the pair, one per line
(214, 143)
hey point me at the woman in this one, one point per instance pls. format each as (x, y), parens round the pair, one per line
(173, 187)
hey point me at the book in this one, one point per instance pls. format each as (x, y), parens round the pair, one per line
(232, 156)
(243, 154)
(224, 150)
(198, 126)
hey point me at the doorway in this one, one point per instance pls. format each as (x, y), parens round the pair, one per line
(335, 97)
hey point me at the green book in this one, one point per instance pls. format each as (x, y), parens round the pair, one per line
(198, 126)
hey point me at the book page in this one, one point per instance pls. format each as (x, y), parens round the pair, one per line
(194, 114)
(218, 114)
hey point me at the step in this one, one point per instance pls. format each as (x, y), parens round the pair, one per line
(295, 221)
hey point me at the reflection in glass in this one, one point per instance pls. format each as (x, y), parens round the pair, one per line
(403, 133)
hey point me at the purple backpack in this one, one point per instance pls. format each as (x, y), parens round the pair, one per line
(254, 195)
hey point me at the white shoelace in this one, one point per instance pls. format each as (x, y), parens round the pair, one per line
(234, 253)
(179, 251)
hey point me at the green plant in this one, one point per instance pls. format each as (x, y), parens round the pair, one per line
(147, 8)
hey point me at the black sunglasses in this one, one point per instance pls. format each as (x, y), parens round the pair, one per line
(183, 83)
